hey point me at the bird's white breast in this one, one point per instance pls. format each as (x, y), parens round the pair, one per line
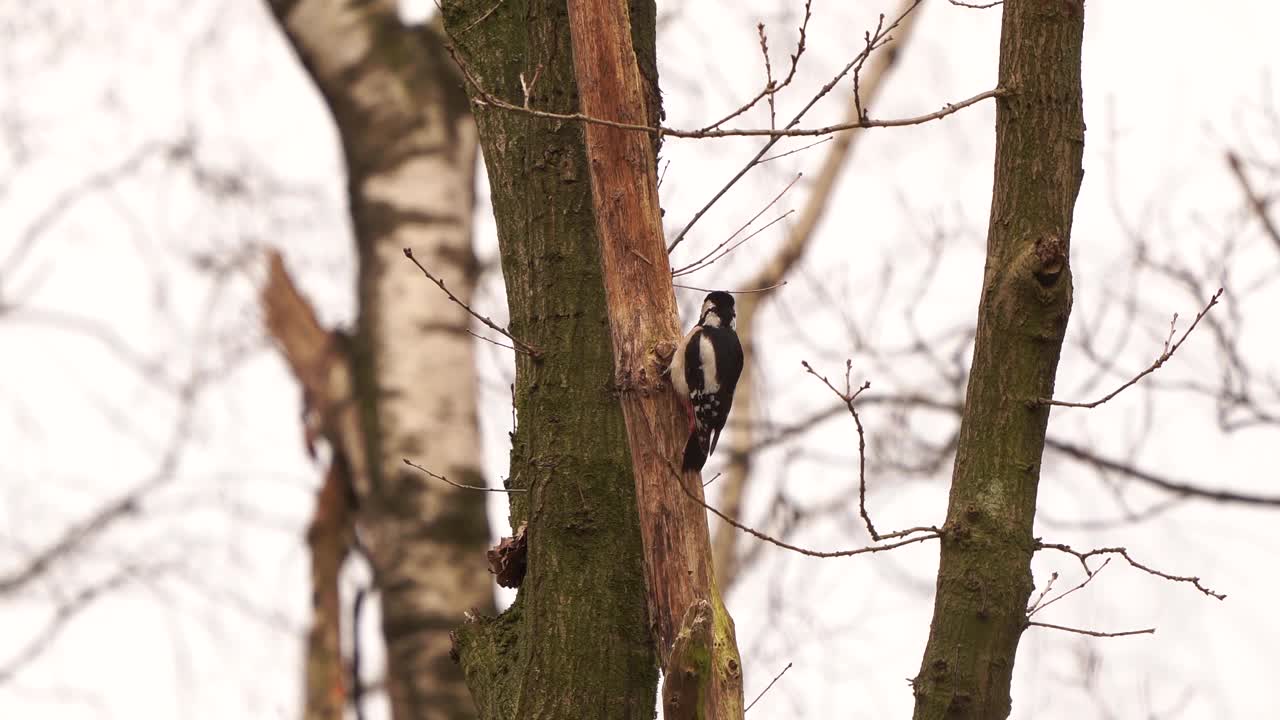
(678, 379)
(710, 382)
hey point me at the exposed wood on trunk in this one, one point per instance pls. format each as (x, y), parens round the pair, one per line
(316, 358)
(575, 644)
(643, 323)
(410, 149)
(324, 372)
(984, 576)
(325, 691)
(733, 485)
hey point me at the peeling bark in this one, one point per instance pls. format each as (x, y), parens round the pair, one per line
(410, 148)
(575, 643)
(644, 325)
(984, 575)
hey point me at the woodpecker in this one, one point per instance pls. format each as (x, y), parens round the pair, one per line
(705, 373)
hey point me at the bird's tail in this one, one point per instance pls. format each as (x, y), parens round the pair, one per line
(695, 452)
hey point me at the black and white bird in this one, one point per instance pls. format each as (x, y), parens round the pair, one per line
(705, 373)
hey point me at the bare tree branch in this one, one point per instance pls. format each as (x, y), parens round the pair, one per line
(1169, 350)
(1083, 557)
(1092, 633)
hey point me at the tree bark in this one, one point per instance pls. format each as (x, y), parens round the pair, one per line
(644, 324)
(410, 148)
(575, 643)
(984, 574)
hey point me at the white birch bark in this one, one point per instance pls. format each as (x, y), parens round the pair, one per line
(410, 146)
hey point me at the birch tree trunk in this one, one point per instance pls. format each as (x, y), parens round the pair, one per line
(575, 644)
(410, 148)
(984, 576)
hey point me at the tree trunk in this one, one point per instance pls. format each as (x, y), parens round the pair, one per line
(575, 644)
(704, 679)
(410, 148)
(984, 575)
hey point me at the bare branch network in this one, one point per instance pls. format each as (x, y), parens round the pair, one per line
(662, 131)
(899, 538)
(1083, 557)
(485, 98)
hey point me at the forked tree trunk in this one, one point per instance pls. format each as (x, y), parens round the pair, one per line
(984, 576)
(575, 644)
(410, 148)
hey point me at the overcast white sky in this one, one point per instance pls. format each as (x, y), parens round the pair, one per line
(209, 624)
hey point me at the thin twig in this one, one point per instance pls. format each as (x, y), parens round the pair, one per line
(664, 131)
(1031, 610)
(1088, 578)
(793, 152)
(1083, 557)
(1092, 633)
(695, 267)
(859, 112)
(902, 537)
(486, 99)
(463, 486)
(768, 76)
(478, 336)
(732, 292)
(975, 6)
(795, 120)
(767, 688)
(848, 396)
(520, 346)
(745, 225)
(1169, 350)
(770, 90)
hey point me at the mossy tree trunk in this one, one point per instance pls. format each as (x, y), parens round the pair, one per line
(575, 644)
(410, 147)
(984, 576)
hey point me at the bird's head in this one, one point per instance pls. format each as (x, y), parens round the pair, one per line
(717, 310)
